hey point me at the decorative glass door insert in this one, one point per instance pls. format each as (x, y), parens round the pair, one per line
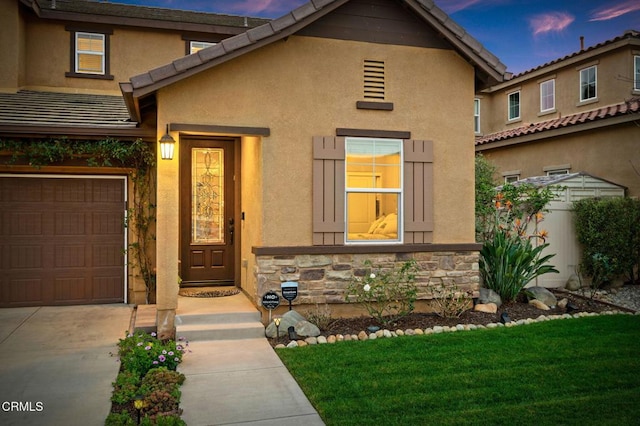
(207, 189)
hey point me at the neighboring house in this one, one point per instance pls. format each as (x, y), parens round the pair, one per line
(580, 113)
(304, 146)
(62, 234)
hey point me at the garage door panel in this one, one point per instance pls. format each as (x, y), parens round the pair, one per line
(62, 241)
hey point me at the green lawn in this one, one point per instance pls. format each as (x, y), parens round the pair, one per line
(566, 372)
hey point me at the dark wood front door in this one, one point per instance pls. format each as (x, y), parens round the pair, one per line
(207, 211)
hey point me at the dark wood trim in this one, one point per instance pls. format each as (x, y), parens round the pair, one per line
(87, 133)
(72, 52)
(360, 249)
(378, 106)
(213, 128)
(370, 133)
(93, 76)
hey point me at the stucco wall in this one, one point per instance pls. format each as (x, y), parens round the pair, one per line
(11, 44)
(609, 153)
(306, 86)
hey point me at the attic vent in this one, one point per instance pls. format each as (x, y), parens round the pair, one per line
(374, 80)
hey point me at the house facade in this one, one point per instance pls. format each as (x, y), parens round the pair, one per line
(580, 113)
(338, 133)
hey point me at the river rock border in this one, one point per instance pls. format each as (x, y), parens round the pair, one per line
(384, 333)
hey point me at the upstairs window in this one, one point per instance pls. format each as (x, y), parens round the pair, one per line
(373, 189)
(196, 46)
(514, 105)
(476, 115)
(547, 95)
(89, 54)
(588, 78)
(636, 73)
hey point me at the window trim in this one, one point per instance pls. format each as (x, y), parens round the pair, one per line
(551, 81)
(190, 45)
(399, 191)
(476, 115)
(73, 53)
(636, 73)
(518, 117)
(595, 84)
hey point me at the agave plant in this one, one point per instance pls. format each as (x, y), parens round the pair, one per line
(508, 263)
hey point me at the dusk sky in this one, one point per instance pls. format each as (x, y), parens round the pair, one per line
(522, 33)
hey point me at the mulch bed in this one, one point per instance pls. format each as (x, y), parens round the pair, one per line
(515, 310)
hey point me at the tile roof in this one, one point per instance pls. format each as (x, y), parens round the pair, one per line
(629, 34)
(118, 10)
(631, 106)
(30, 108)
(288, 24)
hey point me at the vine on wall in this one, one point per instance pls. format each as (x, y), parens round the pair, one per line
(137, 156)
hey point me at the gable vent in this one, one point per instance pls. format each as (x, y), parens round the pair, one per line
(374, 80)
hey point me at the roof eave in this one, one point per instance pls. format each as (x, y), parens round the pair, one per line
(21, 131)
(550, 133)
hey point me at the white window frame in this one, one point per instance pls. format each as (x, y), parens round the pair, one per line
(196, 45)
(584, 82)
(511, 178)
(636, 73)
(102, 54)
(548, 96)
(399, 191)
(476, 115)
(509, 95)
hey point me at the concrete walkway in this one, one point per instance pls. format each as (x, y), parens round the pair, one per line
(236, 382)
(56, 366)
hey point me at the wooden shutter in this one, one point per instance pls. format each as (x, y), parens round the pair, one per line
(418, 191)
(328, 190)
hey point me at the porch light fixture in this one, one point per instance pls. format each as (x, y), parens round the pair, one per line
(167, 143)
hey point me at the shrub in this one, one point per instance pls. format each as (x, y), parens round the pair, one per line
(485, 190)
(508, 263)
(119, 419)
(162, 379)
(611, 228)
(450, 301)
(125, 387)
(320, 317)
(141, 352)
(386, 294)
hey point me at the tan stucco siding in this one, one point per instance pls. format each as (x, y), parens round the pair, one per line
(48, 48)
(608, 153)
(309, 86)
(11, 45)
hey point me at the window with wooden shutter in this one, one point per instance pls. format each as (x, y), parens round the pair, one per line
(415, 218)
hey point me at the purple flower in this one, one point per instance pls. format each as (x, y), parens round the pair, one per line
(155, 362)
(153, 334)
(179, 347)
(147, 348)
(170, 353)
(139, 344)
(164, 352)
(176, 359)
(162, 358)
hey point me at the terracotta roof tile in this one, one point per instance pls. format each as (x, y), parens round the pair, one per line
(237, 42)
(212, 52)
(186, 62)
(258, 33)
(629, 107)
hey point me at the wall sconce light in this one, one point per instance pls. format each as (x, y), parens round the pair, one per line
(167, 144)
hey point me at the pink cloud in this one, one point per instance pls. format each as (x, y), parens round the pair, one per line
(606, 13)
(266, 6)
(453, 6)
(552, 21)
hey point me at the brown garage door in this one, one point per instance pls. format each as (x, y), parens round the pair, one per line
(61, 241)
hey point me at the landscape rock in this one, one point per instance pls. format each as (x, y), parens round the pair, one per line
(563, 303)
(490, 308)
(311, 340)
(542, 294)
(538, 304)
(489, 296)
(573, 283)
(331, 339)
(321, 340)
(363, 336)
(305, 328)
(288, 319)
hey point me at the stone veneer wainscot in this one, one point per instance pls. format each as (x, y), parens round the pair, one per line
(323, 273)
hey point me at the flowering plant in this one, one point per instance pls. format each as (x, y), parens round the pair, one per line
(141, 352)
(386, 294)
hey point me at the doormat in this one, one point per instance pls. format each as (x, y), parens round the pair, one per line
(208, 292)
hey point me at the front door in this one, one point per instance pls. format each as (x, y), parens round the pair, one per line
(207, 211)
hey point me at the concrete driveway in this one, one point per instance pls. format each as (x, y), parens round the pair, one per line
(56, 366)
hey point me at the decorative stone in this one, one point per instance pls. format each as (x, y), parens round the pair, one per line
(460, 327)
(573, 283)
(347, 337)
(489, 296)
(311, 340)
(340, 338)
(379, 333)
(302, 343)
(362, 336)
(538, 304)
(400, 332)
(418, 331)
(292, 344)
(331, 339)
(280, 346)
(305, 328)
(373, 336)
(438, 329)
(490, 308)
(542, 294)
(386, 333)
(563, 303)
(320, 339)
(409, 332)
